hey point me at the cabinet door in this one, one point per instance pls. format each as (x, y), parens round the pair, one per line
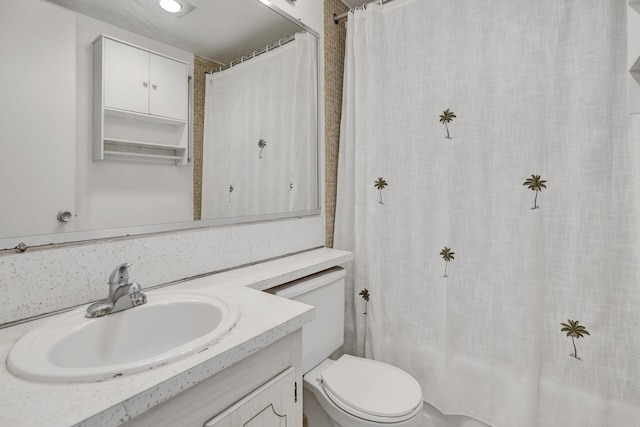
(126, 77)
(168, 88)
(272, 405)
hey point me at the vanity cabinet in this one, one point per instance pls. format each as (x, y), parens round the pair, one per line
(141, 103)
(268, 406)
(262, 390)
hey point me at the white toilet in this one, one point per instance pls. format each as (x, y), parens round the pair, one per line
(350, 391)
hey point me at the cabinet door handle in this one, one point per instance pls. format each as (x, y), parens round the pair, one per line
(154, 85)
(145, 83)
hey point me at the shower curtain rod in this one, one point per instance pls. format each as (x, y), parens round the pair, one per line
(255, 53)
(337, 18)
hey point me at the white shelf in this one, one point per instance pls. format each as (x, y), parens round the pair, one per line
(141, 155)
(124, 148)
(144, 117)
(131, 143)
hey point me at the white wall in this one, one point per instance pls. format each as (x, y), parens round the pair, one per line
(37, 116)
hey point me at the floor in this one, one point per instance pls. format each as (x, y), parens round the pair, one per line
(434, 418)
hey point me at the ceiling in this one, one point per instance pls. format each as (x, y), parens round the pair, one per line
(220, 30)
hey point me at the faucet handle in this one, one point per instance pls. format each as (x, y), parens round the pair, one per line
(136, 296)
(120, 275)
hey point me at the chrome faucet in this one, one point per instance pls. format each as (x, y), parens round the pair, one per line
(119, 289)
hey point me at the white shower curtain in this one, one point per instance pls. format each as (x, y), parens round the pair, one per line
(538, 91)
(271, 98)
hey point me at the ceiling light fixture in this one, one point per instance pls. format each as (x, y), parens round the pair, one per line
(177, 8)
(171, 6)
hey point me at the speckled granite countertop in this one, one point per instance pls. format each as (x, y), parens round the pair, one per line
(263, 320)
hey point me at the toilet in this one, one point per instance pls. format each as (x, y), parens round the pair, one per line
(351, 391)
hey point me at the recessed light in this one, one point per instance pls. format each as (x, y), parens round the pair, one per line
(171, 6)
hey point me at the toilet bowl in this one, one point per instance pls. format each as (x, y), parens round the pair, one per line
(357, 392)
(351, 391)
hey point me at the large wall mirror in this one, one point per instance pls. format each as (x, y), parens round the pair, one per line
(251, 150)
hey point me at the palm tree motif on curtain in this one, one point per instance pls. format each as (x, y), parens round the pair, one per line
(262, 144)
(230, 191)
(447, 256)
(575, 330)
(535, 183)
(380, 184)
(365, 296)
(445, 118)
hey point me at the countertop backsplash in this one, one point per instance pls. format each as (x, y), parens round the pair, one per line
(48, 279)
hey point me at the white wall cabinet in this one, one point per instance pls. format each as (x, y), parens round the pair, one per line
(144, 82)
(141, 104)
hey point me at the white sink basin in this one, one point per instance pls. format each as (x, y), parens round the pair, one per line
(171, 325)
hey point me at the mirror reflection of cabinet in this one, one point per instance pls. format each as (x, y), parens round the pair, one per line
(144, 82)
(140, 104)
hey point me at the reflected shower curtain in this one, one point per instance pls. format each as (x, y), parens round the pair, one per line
(488, 186)
(259, 151)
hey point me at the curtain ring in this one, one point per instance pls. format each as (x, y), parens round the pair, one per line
(254, 53)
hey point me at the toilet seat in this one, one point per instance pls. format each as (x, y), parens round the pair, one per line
(372, 390)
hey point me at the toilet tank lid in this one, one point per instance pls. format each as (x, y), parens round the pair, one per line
(372, 387)
(309, 283)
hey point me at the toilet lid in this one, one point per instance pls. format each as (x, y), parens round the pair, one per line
(371, 387)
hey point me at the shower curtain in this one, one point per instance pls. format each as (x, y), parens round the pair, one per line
(488, 186)
(260, 120)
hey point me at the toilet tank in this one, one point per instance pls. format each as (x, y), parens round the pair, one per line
(325, 292)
